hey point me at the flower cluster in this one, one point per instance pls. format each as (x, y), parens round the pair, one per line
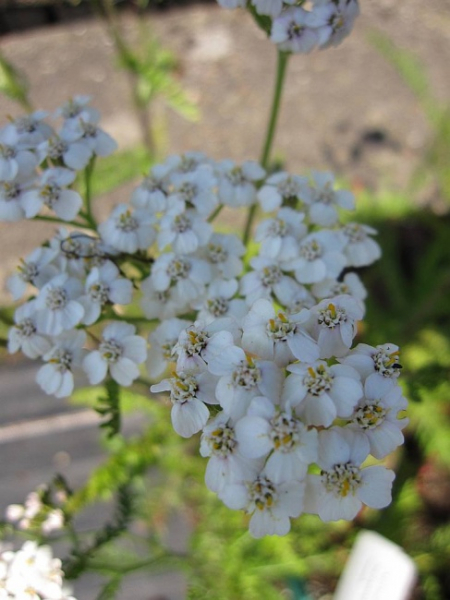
(27, 142)
(263, 356)
(31, 573)
(299, 27)
(39, 512)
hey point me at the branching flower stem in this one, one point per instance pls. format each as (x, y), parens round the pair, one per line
(62, 222)
(282, 61)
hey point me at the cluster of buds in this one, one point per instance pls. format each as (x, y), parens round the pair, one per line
(31, 573)
(41, 511)
(299, 27)
(262, 356)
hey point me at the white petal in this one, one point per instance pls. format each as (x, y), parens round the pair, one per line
(124, 371)
(376, 486)
(189, 418)
(95, 367)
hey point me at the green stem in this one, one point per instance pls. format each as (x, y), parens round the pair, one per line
(282, 61)
(215, 213)
(280, 77)
(88, 193)
(248, 225)
(165, 560)
(130, 319)
(61, 222)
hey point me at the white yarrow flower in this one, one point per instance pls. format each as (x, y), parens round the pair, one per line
(189, 391)
(343, 486)
(35, 269)
(320, 393)
(270, 504)
(120, 352)
(24, 335)
(57, 306)
(56, 377)
(268, 431)
(103, 285)
(52, 192)
(226, 464)
(128, 230)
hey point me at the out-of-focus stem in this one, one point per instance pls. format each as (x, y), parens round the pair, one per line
(280, 77)
(282, 62)
(88, 194)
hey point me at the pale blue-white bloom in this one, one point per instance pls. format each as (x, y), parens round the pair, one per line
(153, 191)
(301, 299)
(187, 162)
(237, 183)
(162, 304)
(120, 352)
(104, 285)
(334, 20)
(184, 230)
(78, 107)
(278, 435)
(36, 269)
(379, 367)
(185, 275)
(226, 464)
(74, 154)
(219, 301)
(292, 31)
(342, 488)
(189, 391)
(51, 191)
(97, 141)
(350, 285)
(323, 199)
(281, 187)
(11, 197)
(232, 3)
(224, 252)
(57, 306)
(24, 335)
(30, 129)
(280, 236)
(333, 324)
(56, 377)
(267, 278)
(320, 393)
(128, 229)
(320, 256)
(16, 160)
(77, 253)
(274, 335)
(162, 341)
(271, 8)
(243, 379)
(360, 249)
(208, 345)
(196, 189)
(376, 417)
(270, 504)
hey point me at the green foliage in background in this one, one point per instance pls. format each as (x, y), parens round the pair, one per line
(435, 164)
(13, 83)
